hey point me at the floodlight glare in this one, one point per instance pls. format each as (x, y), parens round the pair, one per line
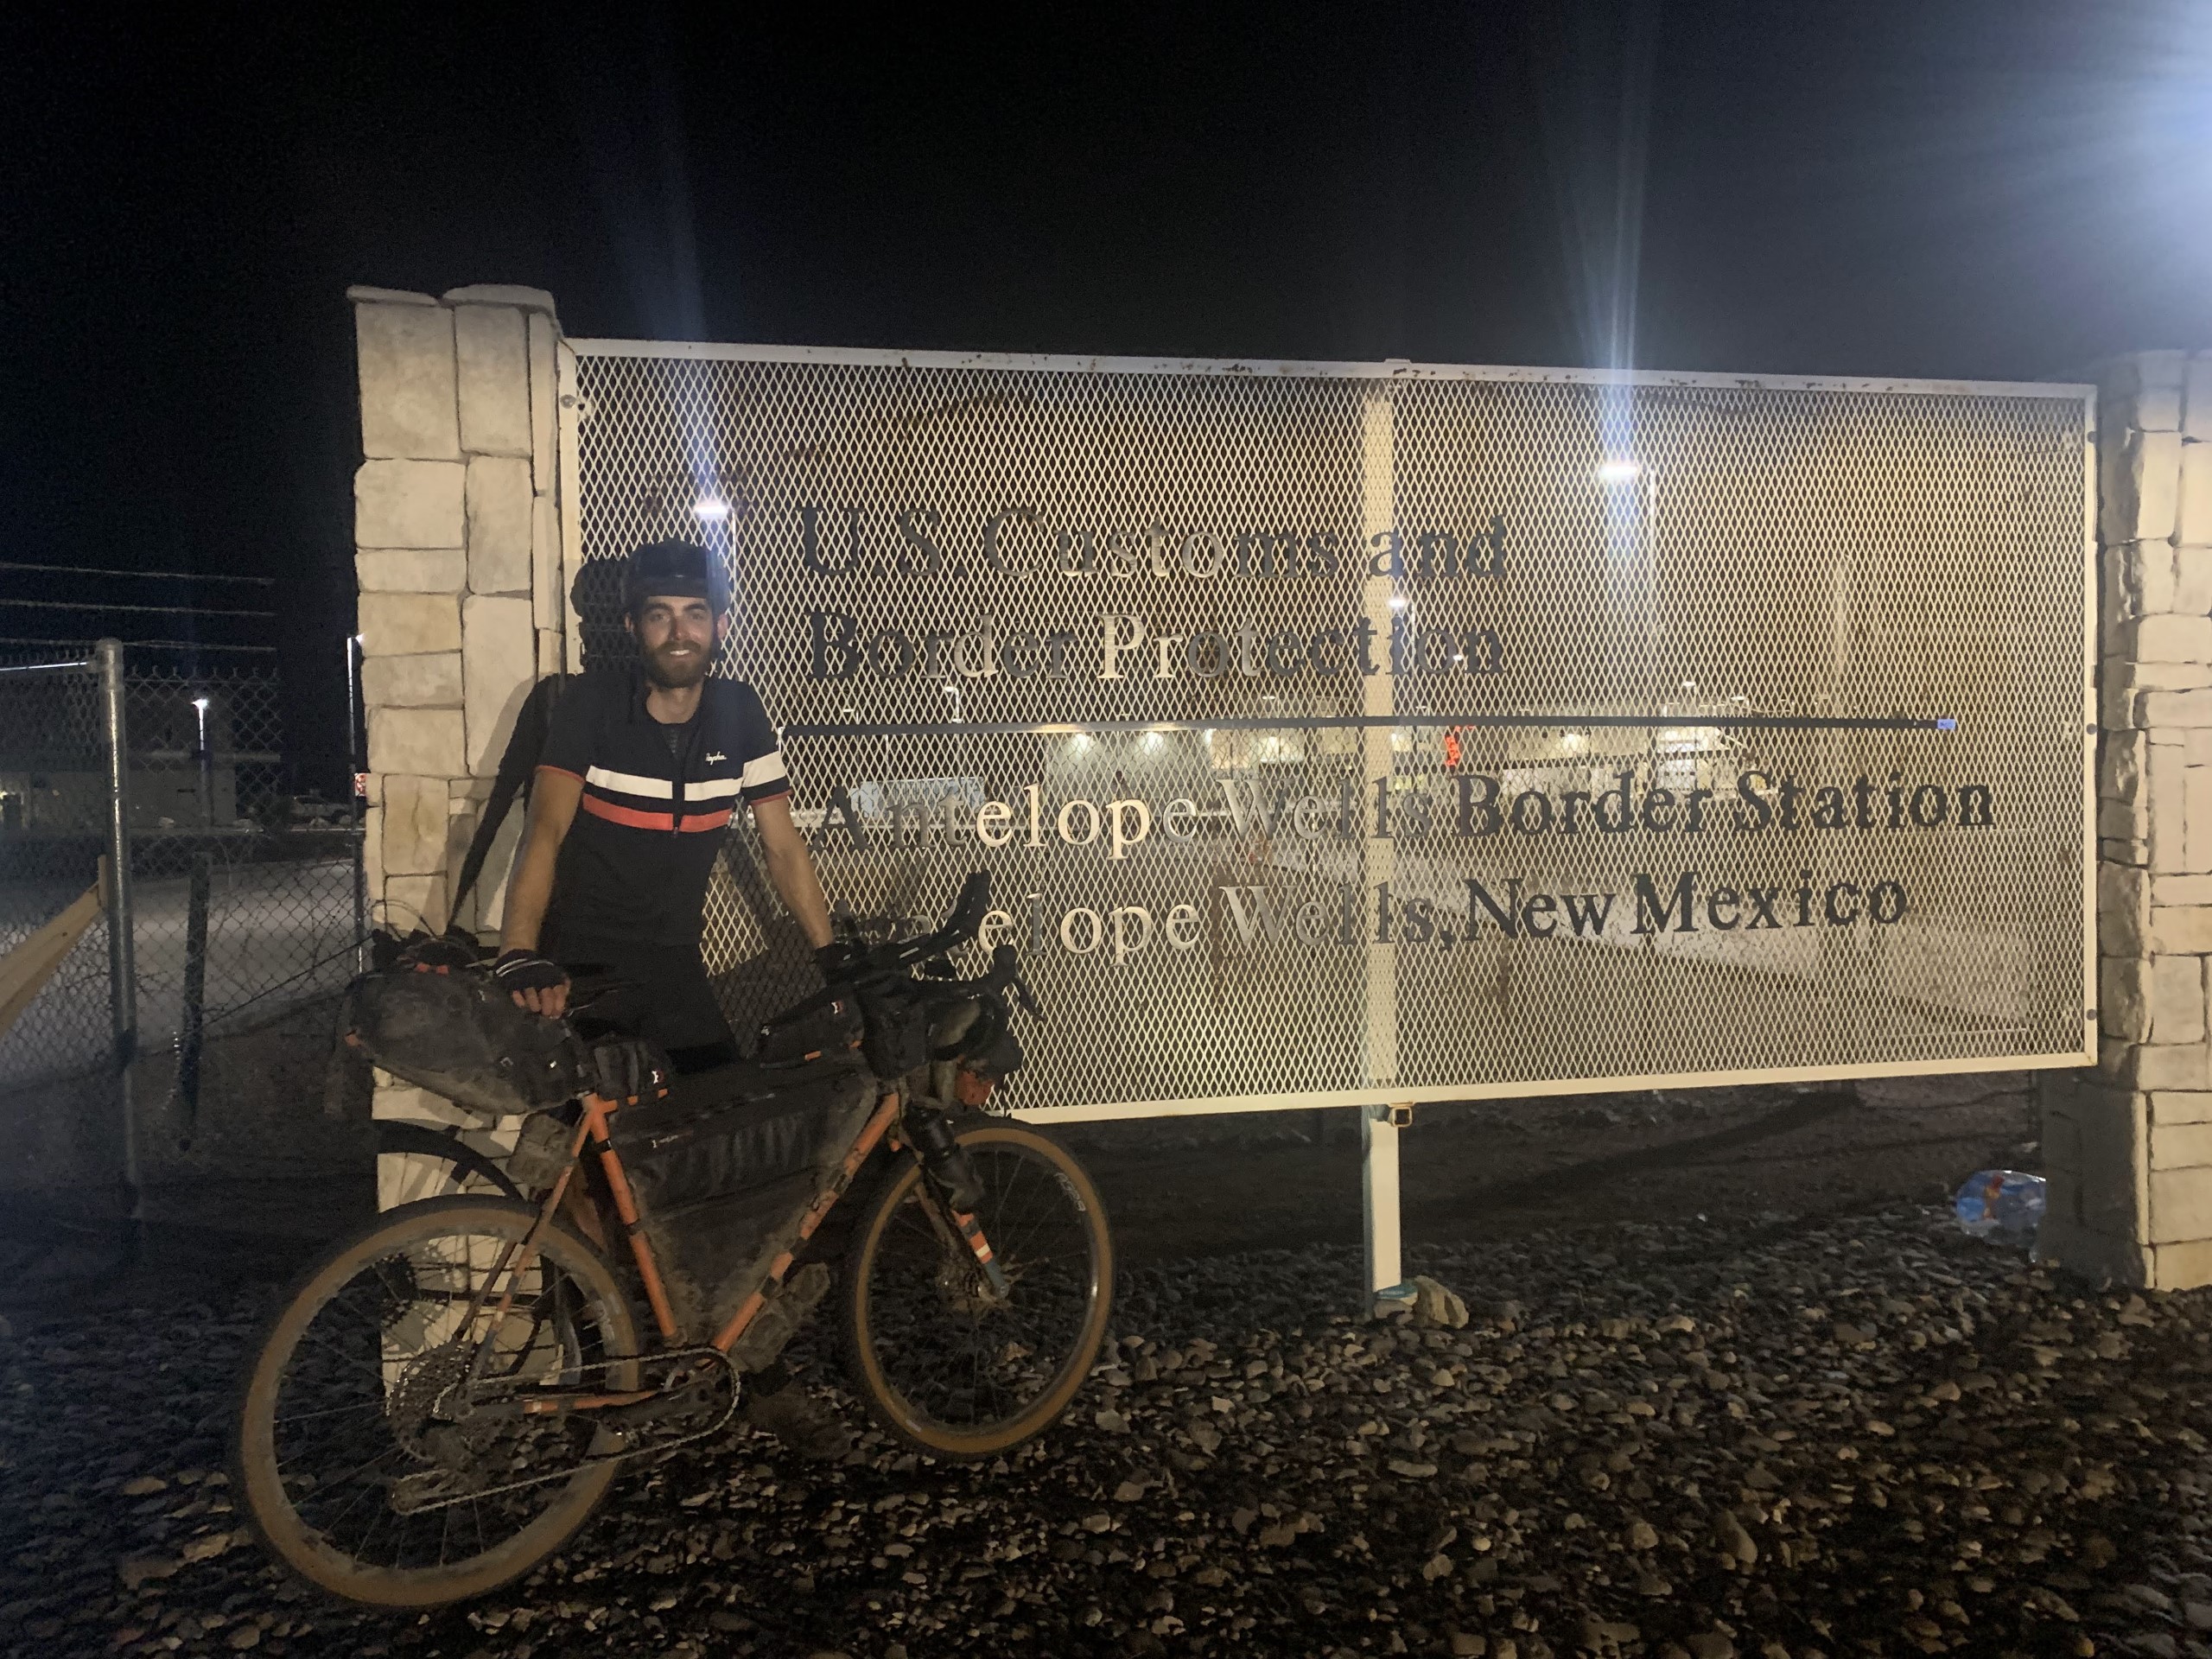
(200, 703)
(1619, 471)
(708, 508)
(1397, 601)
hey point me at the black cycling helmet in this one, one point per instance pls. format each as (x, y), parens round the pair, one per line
(684, 569)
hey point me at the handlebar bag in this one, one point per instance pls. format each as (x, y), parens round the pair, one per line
(896, 1037)
(989, 1045)
(455, 1033)
(724, 1166)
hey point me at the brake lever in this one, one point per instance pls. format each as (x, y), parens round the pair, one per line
(1026, 1000)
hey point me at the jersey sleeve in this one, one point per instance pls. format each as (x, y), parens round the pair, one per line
(569, 734)
(763, 778)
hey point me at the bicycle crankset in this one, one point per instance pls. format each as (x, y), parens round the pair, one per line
(479, 1435)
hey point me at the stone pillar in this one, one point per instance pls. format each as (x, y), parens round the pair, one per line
(457, 534)
(2128, 1146)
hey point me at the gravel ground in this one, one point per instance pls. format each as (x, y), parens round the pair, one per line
(1854, 1434)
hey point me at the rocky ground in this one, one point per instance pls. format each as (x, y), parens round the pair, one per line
(1858, 1432)
(1495, 1170)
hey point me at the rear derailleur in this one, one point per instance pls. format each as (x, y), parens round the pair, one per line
(496, 1434)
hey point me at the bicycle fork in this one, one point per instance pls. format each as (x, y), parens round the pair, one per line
(972, 1231)
(959, 1229)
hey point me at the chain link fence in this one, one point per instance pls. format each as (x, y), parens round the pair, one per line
(245, 901)
(54, 789)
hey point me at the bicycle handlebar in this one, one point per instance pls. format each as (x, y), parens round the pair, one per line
(965, 922)
(1003, 973)
(892, 960)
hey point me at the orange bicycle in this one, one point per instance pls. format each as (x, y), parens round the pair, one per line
(444, 1398)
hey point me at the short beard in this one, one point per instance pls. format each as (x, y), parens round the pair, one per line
(670, 679)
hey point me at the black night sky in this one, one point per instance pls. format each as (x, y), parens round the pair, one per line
(1952, 189)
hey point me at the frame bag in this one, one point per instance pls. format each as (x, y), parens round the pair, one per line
(724, 1166)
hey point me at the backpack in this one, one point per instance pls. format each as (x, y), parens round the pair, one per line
(518, 765)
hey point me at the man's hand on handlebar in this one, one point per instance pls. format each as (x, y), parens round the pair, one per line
(841, 961)
(537, 982)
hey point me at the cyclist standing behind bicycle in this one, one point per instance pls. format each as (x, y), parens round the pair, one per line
(633, 792)
(638, 778)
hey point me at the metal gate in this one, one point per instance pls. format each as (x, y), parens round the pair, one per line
(1339, 734)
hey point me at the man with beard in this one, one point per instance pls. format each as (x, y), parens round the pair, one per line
(634, 792)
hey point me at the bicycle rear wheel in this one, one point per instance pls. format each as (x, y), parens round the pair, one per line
(350, 1454)
(943, 1363)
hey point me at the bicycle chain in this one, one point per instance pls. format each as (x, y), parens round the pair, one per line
(447, 1500)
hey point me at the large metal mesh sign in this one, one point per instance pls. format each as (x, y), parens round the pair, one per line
(1340, 735)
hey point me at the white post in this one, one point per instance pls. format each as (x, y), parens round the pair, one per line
(1378, 1125)
(1378, 1194)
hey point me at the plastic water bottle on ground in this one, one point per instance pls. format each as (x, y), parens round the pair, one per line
(1999, 1201)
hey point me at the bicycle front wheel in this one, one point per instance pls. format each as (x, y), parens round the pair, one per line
(356, 1452)
(946, 1362)
(428, 1163)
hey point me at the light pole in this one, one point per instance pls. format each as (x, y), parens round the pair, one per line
(207, 767)
(353, 767)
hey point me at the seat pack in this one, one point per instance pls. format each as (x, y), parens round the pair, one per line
(455, 1032)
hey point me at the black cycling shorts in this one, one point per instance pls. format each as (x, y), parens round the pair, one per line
(664, 996)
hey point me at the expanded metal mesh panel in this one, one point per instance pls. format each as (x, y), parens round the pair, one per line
(1332, 737)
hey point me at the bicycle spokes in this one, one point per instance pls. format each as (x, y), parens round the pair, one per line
(970, 1322)
(377, 1420)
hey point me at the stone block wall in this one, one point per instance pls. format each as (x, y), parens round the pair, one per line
(2128, 1146)
(456, 529)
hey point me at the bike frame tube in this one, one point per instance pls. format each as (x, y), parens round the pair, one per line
(626, 1208)
(527, 1253)
(824, 1201)
(592, 1133)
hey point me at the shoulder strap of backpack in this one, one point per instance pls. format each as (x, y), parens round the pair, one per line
(533, 721)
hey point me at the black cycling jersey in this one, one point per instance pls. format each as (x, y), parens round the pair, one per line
(635, 861)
